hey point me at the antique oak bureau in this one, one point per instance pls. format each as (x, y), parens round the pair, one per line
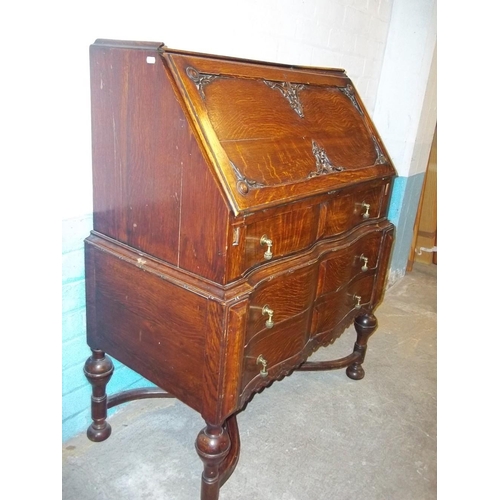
(239, 224)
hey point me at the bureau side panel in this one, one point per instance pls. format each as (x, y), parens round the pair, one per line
(204, 212)
(204, 223)
(140, 140)
(151, 325)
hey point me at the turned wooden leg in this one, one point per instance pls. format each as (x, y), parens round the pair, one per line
(213, 444)
(364, 325)
(98, 370)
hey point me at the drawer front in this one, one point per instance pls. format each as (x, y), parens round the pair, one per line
(332, 309)
(279, 299)
(269, 352)
(280, 235)
(347, 263)
(351, 207)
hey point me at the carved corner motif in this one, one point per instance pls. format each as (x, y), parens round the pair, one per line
(381, 158)
(349, 92)
(323, 163)
(243, 184)
(290, 92)
(200, 79)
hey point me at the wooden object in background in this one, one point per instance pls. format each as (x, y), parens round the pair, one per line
(239, 224)
(425, 226)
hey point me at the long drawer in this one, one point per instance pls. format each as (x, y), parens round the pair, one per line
(283, 232)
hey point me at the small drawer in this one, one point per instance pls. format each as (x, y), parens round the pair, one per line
(281, 298)
(269, 352)
(347, 263)
(280, 235)
(351, 207)
(334, 309)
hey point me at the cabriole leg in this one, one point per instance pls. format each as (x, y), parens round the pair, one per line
(212, 445)
(98, 370)
(364, 325)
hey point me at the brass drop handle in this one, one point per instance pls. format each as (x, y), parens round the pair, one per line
(267, 310)
(366, 207)
(358, 303)
(261, 361)
(265, 241)
(364, 267)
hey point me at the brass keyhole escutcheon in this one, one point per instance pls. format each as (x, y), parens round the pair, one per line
(262, 361)
(267, 310)
(366, 207)
(265, 241)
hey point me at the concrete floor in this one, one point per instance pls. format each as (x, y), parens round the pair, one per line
(312, 436)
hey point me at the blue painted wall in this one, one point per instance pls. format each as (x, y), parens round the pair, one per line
(402, 212)
(75, 388)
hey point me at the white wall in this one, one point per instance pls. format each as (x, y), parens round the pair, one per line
(53, 60)
(406, 108)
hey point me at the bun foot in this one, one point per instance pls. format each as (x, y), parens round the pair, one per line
(355, 371)
(98, 434)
